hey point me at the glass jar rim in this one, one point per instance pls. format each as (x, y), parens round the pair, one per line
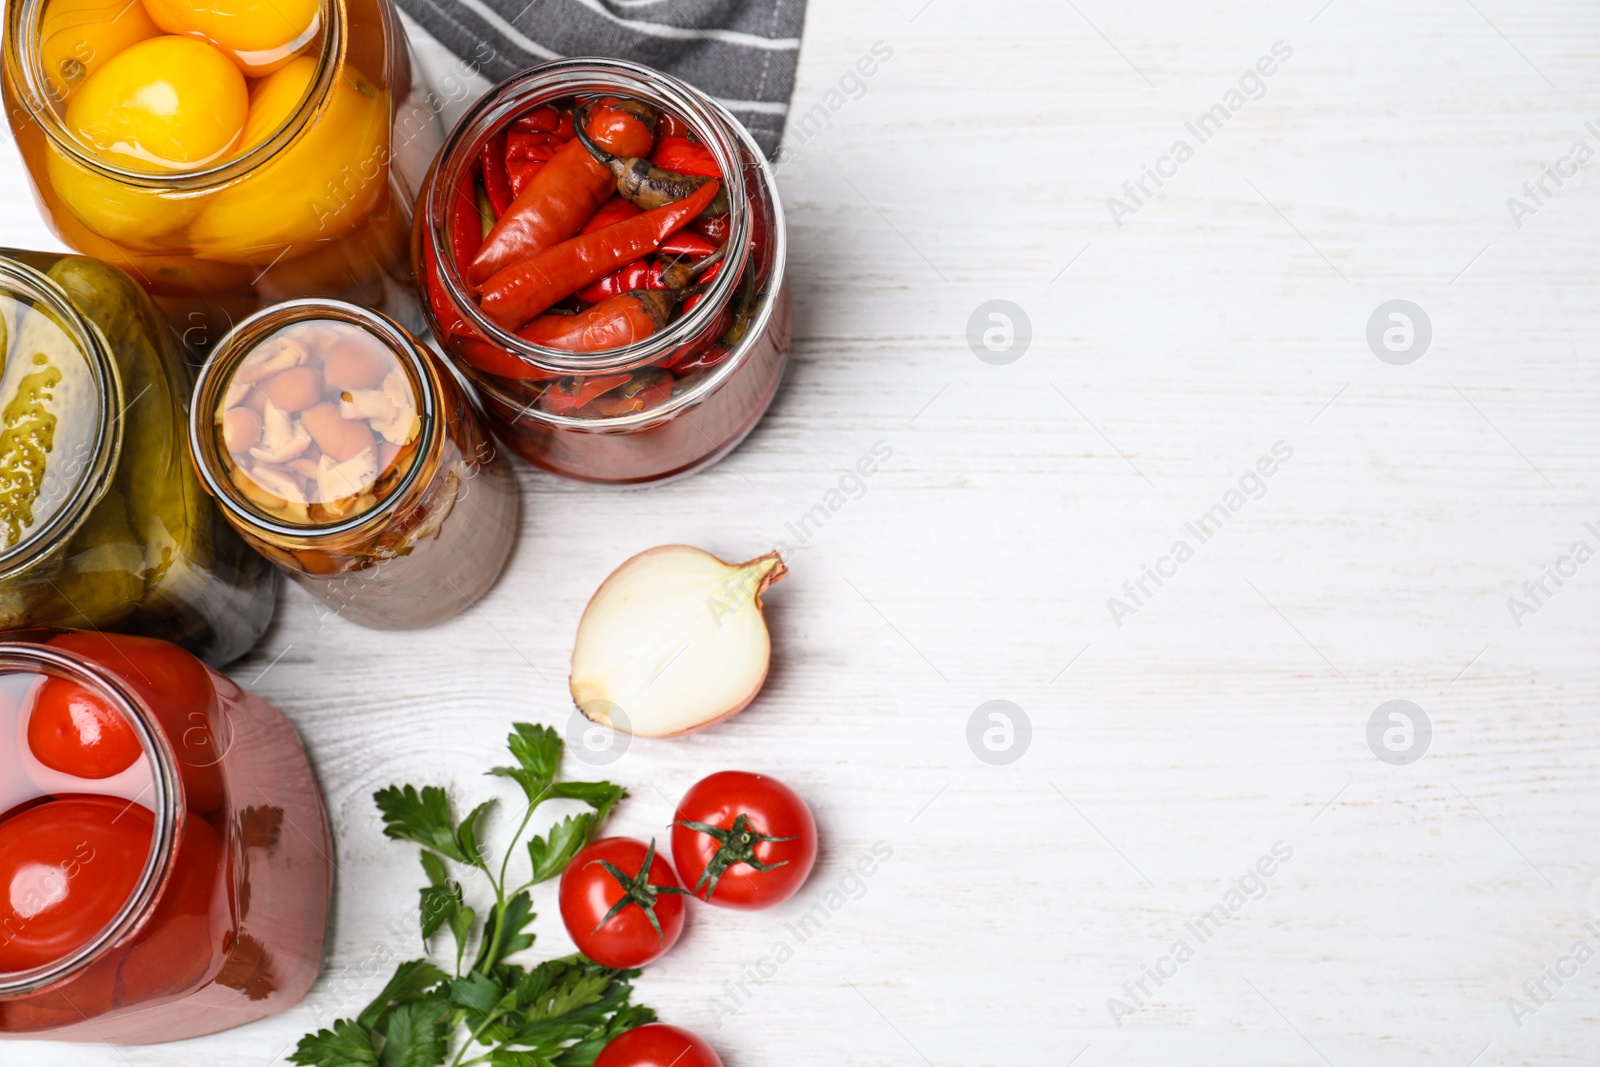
(166, 783)
(720, 132)
(92, 481)
(22, 56)
(239, 342)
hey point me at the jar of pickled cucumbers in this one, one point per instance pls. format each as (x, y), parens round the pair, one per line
(103, 524)
(228, 154)
(342, 449)
(602, 251)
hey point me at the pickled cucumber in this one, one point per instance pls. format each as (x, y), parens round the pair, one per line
(49, 409)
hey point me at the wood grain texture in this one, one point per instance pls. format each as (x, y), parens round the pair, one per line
(1229, 713)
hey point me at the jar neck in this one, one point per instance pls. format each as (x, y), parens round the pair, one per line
(218, 372)
(26, 76)
(165, 802)
(588, 77)
(87, 476)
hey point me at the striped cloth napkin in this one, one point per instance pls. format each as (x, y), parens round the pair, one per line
(742, 52)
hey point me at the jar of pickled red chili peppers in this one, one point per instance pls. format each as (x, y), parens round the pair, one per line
(343, 451)
(602, 253)
(164, 851)
(227, 155)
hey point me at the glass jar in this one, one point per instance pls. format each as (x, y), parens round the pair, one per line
(688, 393)
(181, 888)
(343, 451)
(103, 523)
(311, 196)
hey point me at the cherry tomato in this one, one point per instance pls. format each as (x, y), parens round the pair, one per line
(78, 731)
(168, 103)
(743, 840)
(621, 903)
(179, 690)
(657, 1045)
(179, 943)
(66, 869)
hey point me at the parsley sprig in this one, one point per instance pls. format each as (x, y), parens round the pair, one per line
(559, 1013)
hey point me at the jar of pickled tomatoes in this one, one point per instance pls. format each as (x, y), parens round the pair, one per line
(343, 450)
(228, 154)
(103, 523)
(164, 851)
(602, 249)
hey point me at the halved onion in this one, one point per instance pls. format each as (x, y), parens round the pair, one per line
(673, 641)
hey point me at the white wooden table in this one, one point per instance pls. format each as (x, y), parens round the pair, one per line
(1228, 712)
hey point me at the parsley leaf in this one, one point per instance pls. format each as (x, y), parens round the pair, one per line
(601, 796)
(421, 817)
(560, 1013)
(551, 854)
(538, 753)
(413, 980)
(346, 1045)
(417, 1034)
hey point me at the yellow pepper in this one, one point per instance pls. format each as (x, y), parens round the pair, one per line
(77, 37)
(325, 183)
(259, 35)
(166, 103)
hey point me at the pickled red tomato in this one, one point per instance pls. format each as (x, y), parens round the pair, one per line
(178, 689)
(260, 34)
(66, 869)
(77, 731)
(180, 941)
(168, 103)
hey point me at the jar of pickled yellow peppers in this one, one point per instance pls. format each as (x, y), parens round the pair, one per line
(103, 522)
(227, 154)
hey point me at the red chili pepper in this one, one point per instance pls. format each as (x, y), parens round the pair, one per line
(714, 228)
(704, 360)
(540, 120)
(614, 210)
(685, 157)
(526, 153)
(615, 322)
(496, 182)
(687, 356)
(571, 394)
(517, 293)
(490, 358)
(522, 174)
(648, 388)
(640, 274)
(673, 126)
(449, 319)
(466, 230)
(561, 197)
(687, 243)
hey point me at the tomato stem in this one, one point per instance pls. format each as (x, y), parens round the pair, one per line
(636, 889)
(737, 844)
